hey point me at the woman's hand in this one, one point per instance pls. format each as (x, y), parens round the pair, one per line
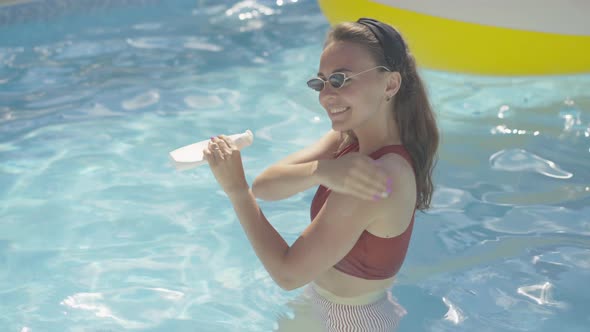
(354, 174)
(225, 162)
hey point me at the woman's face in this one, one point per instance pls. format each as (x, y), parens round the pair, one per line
(360, 97)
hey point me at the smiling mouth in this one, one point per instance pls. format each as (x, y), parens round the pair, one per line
(338, 110)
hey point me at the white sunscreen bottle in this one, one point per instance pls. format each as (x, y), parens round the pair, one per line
(191, 156)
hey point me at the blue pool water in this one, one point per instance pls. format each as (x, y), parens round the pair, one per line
(98, 232)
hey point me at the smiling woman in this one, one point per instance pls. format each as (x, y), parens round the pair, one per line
(98, 232)
(373, 170)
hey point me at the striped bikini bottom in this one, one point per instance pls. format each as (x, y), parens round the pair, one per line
(382, 315)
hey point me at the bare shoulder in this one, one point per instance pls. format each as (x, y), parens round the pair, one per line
(395, 212)
(399, 169)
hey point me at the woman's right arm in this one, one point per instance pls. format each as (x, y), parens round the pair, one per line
(296, 172)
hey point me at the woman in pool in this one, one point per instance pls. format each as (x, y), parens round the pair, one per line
(373, 169)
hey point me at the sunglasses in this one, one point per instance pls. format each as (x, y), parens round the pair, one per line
(337, 80)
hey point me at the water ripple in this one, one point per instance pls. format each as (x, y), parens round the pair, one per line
(94, 303)
(202, 45)
(540, 219)
(246, 10)
(141, 101)
(450, 199)
(205, 101)
(454, 314)
(515, 160)
(540, 293)
(151, 42)
(148, 26)
(171, 43)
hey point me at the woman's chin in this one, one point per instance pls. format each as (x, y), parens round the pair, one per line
(337, 126)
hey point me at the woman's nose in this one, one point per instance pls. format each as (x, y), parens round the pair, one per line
(328, 90)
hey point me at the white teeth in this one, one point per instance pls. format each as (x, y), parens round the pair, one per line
(338, 110)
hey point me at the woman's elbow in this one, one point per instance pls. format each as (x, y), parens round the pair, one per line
(288, 284)
(289, 287)
(260, 190)
(289, 280)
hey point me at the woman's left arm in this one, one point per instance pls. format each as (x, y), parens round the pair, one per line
(326, 240)
(323, 243)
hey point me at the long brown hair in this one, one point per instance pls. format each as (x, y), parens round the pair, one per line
(413, 113)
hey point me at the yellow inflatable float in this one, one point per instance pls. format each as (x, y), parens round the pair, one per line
(501, 37)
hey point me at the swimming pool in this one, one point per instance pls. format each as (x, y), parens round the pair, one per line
(98, 232)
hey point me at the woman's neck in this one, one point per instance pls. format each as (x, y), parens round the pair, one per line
(377, 134)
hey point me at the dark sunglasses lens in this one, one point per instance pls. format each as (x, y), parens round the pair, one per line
(337, 80)
(316, 84)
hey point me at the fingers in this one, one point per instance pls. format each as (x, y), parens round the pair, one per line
(228, 142)
(373, 181)
(208, 155)
(385, 178)
(370, 190)
(363, 191)
(360, 186)
(381, 177)
(221, 147)
(215, 154)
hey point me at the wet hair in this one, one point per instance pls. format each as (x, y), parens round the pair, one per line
(412, 110)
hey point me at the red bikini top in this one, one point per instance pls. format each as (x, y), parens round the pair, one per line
(372, 257)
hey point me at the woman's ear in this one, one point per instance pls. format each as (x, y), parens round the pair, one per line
(394, 82)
